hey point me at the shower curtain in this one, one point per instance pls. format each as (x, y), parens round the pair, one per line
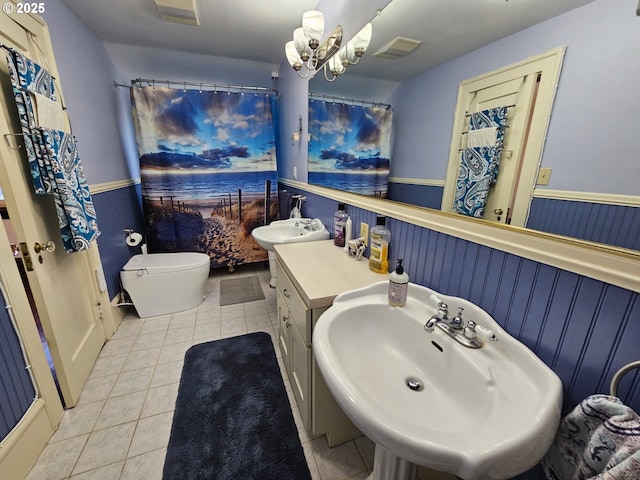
(350, 147)
(207, 168)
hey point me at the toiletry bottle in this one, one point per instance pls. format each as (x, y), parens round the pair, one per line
(339, 221)
(348, 228)
(398, 286)
(379, 246)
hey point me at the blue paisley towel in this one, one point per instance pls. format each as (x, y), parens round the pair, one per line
(76, 213)
(53, 158)
(479, 165)
(598, 440)
(29, 77)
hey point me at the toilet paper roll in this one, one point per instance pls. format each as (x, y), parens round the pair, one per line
(134, 239)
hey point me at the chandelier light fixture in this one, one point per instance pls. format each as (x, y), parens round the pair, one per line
(307, 51)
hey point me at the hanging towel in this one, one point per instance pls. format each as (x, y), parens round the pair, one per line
(598, 440)
(478, 168)
(29, 77)
(483, 137)
(476, 174)
(53, 158)
(48, 113)
(74, 206)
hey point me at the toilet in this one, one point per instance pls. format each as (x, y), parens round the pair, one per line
(163, 283)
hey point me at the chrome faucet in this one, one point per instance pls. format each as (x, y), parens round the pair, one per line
(454, 327)
(441, 316)
(311, 225)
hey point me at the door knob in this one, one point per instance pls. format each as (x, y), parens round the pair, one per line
(47, 247)
(498, 211)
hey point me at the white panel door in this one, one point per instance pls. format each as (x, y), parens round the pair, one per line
(528, 88)
(63, 285)
(22, 446)
(516, 93)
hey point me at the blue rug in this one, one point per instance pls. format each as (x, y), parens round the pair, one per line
(232, 419)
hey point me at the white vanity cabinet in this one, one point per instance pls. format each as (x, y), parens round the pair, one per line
(309, 276)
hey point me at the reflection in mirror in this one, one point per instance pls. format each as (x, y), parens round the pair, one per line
(349, 145)
(587, 184)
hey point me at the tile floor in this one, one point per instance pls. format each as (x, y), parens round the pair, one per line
(120, 427)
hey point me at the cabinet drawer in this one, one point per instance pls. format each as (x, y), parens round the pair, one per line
(299, 310)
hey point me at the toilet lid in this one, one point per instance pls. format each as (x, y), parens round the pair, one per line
(167, 262)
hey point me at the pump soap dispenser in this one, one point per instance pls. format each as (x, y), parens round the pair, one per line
(398, 286)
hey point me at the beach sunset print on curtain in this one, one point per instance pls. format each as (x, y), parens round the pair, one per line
(206, 161)
(350, 147)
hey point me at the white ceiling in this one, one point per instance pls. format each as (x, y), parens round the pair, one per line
(258, 29)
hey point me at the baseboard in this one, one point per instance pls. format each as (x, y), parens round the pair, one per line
(117, 312)
(22, 447)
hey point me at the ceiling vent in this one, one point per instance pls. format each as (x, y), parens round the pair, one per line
(179, 11)
(398, 47)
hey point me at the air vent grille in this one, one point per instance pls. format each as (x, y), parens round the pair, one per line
(178, 11)
(398, 47)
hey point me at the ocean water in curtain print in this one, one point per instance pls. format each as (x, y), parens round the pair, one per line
(208, 168)
(350, 147)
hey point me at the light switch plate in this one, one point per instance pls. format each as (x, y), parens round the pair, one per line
(364, 232)
(544, 175)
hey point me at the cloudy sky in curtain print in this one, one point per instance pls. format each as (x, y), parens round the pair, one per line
(347, 137)
(178, 129)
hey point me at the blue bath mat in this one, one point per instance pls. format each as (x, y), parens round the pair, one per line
(232, 419)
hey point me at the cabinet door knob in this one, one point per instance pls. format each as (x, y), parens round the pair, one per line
(286, 293)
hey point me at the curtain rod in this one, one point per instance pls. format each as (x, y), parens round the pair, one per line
(168, 83)
(319, 96)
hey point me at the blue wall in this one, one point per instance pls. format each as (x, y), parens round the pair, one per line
(594, 116)
(583, 329)
(117, 210)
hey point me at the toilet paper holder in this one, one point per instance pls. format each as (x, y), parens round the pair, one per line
(133, 238)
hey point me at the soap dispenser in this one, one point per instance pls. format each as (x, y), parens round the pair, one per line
(398, 286)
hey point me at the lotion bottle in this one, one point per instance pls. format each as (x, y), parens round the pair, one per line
(398, 286)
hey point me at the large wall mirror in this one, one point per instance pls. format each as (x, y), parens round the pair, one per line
(589, 150)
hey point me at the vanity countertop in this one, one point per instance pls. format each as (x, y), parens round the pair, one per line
(320, 271)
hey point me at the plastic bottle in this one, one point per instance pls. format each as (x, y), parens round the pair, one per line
(348, 228)
(398, 286)
(339, 222)
(379, 239)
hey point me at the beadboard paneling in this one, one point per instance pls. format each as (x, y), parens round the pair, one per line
(117, 209)
(16, 388)
(617, 225)
(429, 196)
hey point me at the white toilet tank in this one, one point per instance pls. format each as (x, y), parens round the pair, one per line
(163, 283)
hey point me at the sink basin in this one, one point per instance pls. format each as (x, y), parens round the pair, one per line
(291, 230)
(484, 413)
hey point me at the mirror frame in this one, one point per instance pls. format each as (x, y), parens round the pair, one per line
(616, 266)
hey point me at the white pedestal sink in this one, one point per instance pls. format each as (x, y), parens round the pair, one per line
(425, 399)
(292, 230)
